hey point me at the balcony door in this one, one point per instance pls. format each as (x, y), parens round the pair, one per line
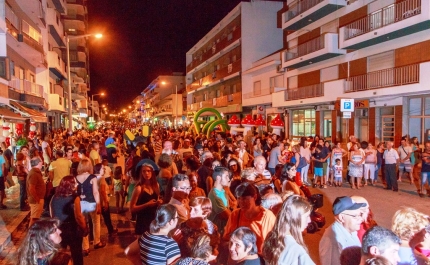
(380, 70)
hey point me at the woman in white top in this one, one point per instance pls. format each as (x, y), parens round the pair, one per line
(306, 153)
(356, 160)
(370, 162)
(284, 244)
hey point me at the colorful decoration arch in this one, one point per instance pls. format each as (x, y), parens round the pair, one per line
(209, 126)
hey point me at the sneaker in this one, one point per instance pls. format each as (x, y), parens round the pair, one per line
(315, 185)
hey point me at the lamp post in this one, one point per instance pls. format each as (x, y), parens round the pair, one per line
(69, 87)
(92, 101)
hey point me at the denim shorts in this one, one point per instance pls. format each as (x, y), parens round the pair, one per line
(318, 171)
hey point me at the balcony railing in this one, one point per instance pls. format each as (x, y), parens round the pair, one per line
(223, 43)
(398, 76)
(300, 7)
(383, 17)
(259, 93)
(311, 91)
(217, 75)
(222, 101)
(27, 87)
(308, 47)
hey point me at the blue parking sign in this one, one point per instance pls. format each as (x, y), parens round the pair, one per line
(347, 105)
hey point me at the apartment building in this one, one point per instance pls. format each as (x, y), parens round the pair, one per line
(75, 24)
(214, 65)
(375, 52)
(24, 68)
(162, 100)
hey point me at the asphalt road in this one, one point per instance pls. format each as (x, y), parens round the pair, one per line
(382, 202)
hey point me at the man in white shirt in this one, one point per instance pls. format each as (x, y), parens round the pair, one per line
(391, 160)
(405, 152)
(343, 232)
(260, 167)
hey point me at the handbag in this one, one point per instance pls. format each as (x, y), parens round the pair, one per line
(88, 207)
(302, 162)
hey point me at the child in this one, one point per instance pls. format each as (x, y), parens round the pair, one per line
(118, 188)
(318, 167)
(108, 176)
(337, 173)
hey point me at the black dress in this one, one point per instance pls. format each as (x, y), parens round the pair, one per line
(145, 216)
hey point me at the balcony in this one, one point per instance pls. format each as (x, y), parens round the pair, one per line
(398, 76)
(316, 50)
(305, 12)
(24, 39)
(222, 101)
(216, 77)
(225, 44)
(60, 5)
(391, 22)
(26, 87)
(56, 103)
(56, 65)
(55, 26)
(311, 91)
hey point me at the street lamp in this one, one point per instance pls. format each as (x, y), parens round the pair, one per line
(69, 88)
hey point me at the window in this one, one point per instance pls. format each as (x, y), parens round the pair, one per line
(4, 68)
(419, 118)
(257, 88)
(329, 73)
(277, 81)
(292, 82)
(303, 122)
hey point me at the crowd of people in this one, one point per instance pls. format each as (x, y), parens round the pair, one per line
(224, 199)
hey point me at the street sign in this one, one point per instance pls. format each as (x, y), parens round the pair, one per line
(347, 104)
(347, 115)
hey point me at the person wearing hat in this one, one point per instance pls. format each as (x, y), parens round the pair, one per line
(343, 232)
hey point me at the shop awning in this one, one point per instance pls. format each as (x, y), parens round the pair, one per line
(32, 114)
(11, 116)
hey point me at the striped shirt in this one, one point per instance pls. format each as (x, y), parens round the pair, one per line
(157, 249)
(158, 147)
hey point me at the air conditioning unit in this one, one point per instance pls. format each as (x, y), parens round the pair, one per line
(20, 38)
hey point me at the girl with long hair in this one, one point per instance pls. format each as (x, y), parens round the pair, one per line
(148, 246)
(145, 199)
(40, 245)
(284, 244)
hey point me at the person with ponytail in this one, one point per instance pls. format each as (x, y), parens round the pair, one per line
(156, 247)
(284, 244)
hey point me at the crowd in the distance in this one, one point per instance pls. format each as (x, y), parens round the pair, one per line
(226, 199)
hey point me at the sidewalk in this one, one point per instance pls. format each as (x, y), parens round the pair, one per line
(11, 217)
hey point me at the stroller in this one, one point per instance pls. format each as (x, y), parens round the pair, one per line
(317, 219)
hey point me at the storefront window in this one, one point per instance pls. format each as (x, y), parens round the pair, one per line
(419, 118)
(303, 122)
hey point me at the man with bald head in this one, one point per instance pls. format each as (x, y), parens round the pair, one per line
(168, 149)
(343, 232)
(392, 159)
(260, 167)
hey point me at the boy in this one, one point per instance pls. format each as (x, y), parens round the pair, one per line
(337, 173)
(318, 167)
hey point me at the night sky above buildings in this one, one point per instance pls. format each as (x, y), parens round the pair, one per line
(143, 39)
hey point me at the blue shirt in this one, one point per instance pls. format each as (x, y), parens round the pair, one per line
(335, 239)
(2, 161)
(221, 194)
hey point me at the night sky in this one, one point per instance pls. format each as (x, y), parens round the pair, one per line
(144, 39)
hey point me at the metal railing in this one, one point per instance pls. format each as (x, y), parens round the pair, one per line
(310, 46)
(311, 91)
(300, 7)
(262, 92)
(27, 87)
(398, 76)
(383, 17)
